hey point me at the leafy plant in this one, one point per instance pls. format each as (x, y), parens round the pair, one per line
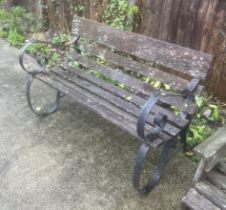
(80, 9)
(16, 23)
(3, 3)
(205, 121)
(55, 59)
(60, 39)
(38, 47)
(15, 38)
(119, 14)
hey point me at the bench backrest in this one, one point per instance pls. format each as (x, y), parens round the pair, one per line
(161, 55)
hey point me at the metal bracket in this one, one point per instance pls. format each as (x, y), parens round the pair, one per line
(188, 92)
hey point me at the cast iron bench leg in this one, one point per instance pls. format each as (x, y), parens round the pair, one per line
(143, 151)
(160, 122)
(54, 107)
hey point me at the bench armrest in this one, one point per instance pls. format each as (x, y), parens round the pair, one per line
(23, 51)
(212, 149)
(160, 120)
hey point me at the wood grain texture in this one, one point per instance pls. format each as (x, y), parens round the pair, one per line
(123, 94)
(222, 167)
(212, 193)
(214, 145)
(217, 179)
(98, 105)
(118, 102)
(182, 60)
(196, 201)
(136, 85)
(175, 82)
(195, 24)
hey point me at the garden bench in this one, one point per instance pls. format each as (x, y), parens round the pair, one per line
(209, 183)
(103, 71)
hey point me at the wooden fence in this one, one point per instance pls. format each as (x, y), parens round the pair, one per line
(197, 24)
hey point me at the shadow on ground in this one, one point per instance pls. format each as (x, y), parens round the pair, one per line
(72, 159)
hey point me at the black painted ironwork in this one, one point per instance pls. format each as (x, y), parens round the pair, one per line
(160, 121)
(189, 95)
(41, 68)
(54, 107)
(24, 49)
(142, 153)
(21, 59)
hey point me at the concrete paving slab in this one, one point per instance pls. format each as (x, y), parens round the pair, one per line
(72, 160)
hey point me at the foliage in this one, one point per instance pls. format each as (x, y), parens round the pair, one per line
(60, 39)
(51, 52)
(154, 83)
(38, 47)
(15, 38)
(204, 124)
(2, 3)
(119, 14)
(15, 25)
(80, 9)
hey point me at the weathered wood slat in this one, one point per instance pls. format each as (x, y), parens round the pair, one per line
(212, 193)
(215, 144)
(217, 179)
(175, 82)
(222, 167)
(116, 101)
(181, 59)
(135, 84)
(100, 106)
(196, 201)
(136, 100)
(101, 97)
(213, 149)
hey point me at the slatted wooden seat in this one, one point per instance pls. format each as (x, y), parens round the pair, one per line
(209, 183)
(103, 73)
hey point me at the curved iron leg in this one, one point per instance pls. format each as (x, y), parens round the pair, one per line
(183, 138)
(28, 94)
(158, 172)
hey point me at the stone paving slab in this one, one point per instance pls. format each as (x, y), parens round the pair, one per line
(72, 160)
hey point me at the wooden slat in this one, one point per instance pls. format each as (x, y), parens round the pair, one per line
(196, 201)
(175, 82)
(212, 193)
(214, 147)
(100, 106)
(217, 179)
(99, 94)
(135, 84)
(181, 59)
(136, 100)
(222, 167)
(113, 99)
